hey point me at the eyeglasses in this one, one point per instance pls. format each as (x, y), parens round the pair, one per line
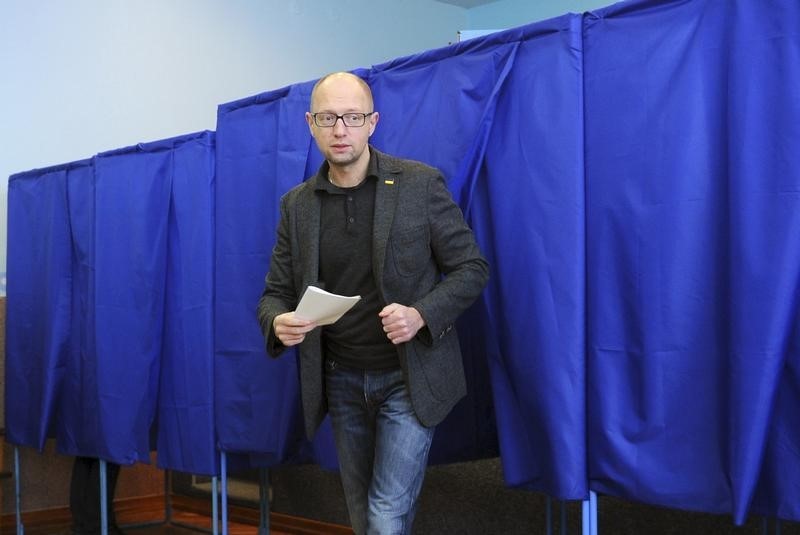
(328, 120)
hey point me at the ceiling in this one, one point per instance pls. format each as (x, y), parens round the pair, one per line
(466, 3)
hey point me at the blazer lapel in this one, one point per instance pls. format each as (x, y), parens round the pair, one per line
(308, 220)
(386, 195)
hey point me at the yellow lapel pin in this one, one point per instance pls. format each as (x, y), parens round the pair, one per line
(389, 182)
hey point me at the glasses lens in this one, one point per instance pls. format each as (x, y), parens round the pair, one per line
(354, 119)
(324, 119)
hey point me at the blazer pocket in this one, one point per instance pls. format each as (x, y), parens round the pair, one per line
(440, 367)
(411, 250)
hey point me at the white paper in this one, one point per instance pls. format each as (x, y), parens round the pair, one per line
(323, 307)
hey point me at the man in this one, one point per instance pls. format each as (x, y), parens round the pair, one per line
(84, 496)
(390, 369)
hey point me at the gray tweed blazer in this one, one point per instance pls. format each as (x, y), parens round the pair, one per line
(424, 255)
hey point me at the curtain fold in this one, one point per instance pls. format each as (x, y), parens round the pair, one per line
(104, 253)
(132, 195)
(527, 210)
(186, 437)
(693, 218)
(39, 302)
(262, 151)
(76, 425)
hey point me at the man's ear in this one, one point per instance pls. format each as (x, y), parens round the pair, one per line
(310, 122)
(373, 121)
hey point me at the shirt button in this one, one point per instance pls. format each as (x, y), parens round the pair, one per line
(351, 219)
(350, 199)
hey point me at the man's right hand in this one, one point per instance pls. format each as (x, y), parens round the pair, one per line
(290, 329)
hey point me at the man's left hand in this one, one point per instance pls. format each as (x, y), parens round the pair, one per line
(400, 323)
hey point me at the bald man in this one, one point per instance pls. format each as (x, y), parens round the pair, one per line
(390, 369)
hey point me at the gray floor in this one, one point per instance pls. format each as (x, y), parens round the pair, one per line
(470, 498)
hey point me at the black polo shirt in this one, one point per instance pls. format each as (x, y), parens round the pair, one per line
(345, 267)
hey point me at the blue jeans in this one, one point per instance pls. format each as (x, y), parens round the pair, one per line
(382, 447)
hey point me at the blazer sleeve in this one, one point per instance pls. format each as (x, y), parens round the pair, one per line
(458, 257)
(279, 293)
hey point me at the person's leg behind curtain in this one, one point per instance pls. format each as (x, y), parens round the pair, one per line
(84, 496)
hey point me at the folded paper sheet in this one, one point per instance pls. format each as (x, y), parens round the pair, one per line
(324, 307)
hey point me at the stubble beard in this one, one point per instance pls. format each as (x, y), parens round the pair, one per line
(343, 159)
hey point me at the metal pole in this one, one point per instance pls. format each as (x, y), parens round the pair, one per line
(167, 496)
(586, 520)
(103, 494)
(593, 510)
(214, 506)
(17, 495)
(224, 503)
(548, 515)
(263, 499)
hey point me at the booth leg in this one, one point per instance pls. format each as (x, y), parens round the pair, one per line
(17, 495)
(548, 515)
(263, 499)
(224, 500)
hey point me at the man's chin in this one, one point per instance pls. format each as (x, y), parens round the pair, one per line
(341, 159)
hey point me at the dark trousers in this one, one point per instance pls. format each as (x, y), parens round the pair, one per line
(84, 495)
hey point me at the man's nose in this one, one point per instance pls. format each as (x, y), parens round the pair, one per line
(339, 127)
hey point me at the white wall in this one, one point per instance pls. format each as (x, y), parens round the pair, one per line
(510, 13)
(82, 76)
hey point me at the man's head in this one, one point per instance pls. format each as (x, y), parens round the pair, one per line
(343, 98)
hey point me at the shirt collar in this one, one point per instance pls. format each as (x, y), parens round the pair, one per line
(321, 182)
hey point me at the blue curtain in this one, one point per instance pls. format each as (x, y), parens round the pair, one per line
(39, 301)
(186, 438)
(589, 154)
(440, 107)
(153, 303)
(631, 175)
(103, 254)
(693, 253)
(262, 151)
(524, 196)
(77, 422)
(132, 194)
(501, 116)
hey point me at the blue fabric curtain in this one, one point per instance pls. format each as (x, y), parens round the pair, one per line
(102, 255)
(262, 151)
(440, 107)
(693, 248)
(186, 438)
(153, 303)
(649, 242)
(632, 176)
(39, 302)
(255, 172)
(524, 197)
(132, 193)
(77, 422)
(501, 116)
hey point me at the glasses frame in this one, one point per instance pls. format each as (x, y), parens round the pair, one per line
(364, 121)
